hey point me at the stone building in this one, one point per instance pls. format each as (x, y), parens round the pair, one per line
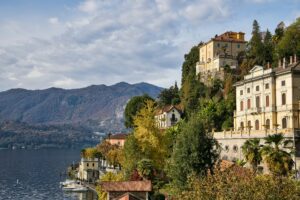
(168, 116)
(218, 52)
(267, 102)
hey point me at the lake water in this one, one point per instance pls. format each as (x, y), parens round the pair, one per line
(38, 173)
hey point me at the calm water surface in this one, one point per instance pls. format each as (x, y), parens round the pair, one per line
(38, 172)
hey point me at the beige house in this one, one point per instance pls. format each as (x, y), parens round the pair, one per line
(88, 169)
(168, 116)
(218, 52)
(267, 102)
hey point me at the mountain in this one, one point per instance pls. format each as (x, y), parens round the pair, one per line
(97, 107)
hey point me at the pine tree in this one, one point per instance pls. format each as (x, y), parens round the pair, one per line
(256, 45)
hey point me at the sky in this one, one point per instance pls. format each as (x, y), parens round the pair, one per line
(77, 43)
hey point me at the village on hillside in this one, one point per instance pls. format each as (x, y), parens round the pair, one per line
(236, 116)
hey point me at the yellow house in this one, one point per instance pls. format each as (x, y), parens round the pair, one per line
(220, 51)
(88, 169)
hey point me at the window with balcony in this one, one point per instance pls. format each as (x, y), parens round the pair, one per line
(268, 124)
(249, 104)
(242, 126)
(267, 86)
(249, 125)
(267, 101)
(257, 88)
(284, 123)
(256, 125)
(257, 101)
(283, 99)
(241, 105)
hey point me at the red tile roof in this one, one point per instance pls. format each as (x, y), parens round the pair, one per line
(118, 136)
(167, 108)
(127, 186)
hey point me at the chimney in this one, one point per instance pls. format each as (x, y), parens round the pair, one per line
(295, 58)
(279, 63)
(283, 64)
(291, 60)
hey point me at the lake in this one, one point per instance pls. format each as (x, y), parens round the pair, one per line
(38, 174)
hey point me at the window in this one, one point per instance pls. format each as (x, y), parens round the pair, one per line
(218, 44)
(282, 83)
(227, 148)
(249, 125)
(242, 105)
(87, 164)
(248, 90)
(284, 124)
(257, 88)
(267, 101)
(256, 125)
(257, 102)
(238, 46)
(242, 126)
(267, 86)
(93, 164)
(235, 148)
(268, 124)
(241, 92)
(248, 103)
(283, 99)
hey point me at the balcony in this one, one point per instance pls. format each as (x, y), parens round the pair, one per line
(256, 110)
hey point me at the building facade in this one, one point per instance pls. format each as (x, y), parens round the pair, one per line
(117, 139)
(218, 52)
(267, 102)
(168, 116)
(88, 169)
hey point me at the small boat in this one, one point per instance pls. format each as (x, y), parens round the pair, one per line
(74, 187)
(80, 189)
(68, 182)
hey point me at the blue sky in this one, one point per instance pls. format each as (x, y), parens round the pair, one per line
(76, 43)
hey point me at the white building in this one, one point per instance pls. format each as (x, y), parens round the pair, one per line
(168, 116)
(267, 102)
(88, 169)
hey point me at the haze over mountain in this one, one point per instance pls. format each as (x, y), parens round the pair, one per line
(98, 107)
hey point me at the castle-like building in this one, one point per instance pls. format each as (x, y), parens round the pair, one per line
(218, 52)
(267, 102)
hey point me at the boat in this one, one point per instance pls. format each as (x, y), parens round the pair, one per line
(68, 182)
(74, 187)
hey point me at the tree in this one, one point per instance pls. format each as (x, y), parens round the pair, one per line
(279, 161)
(169, 96)
(150, 139)
(290, 41)
(195, 151)
(132, 108)
(145, 168)
(268, 47)
(255, 45)
(251, 151)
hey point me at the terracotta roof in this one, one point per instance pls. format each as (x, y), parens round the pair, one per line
(127, 186)
(118, 136)
(168, 108)
(128, 196)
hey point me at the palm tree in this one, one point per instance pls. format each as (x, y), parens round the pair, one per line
(279, 161)
(251, 151)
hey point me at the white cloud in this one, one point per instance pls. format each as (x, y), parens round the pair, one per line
(53, 20)
(88, 6)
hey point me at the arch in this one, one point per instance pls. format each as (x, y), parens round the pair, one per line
(256, 125)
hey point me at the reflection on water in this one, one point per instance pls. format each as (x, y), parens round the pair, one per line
(35, 174)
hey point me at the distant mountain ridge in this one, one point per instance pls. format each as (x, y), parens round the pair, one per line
(98, 107)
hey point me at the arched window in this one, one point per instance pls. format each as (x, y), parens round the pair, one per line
(256, 125)
(284, 123)
(257, 102)
(249, 103)
(268, 124)
(249, 125)
(267, 101)
(283, 99)
(242, 126)
(242, 105)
